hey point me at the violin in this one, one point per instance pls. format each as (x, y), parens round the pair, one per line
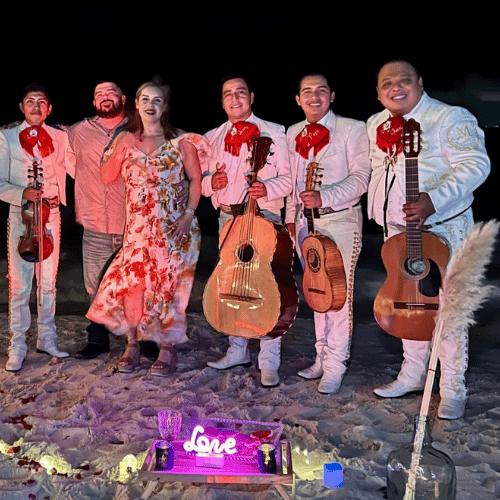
(35, 245)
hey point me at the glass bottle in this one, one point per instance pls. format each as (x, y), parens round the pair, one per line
(435, 477)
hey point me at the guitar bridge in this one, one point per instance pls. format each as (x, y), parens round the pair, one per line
(241, 298)
(314, 290)
(410, 305)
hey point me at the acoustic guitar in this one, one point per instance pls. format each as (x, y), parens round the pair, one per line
(324, 283)
(252, 291)
(407, 302)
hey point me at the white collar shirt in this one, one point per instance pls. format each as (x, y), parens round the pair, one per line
(275, 174)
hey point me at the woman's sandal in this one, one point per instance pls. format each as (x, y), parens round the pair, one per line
(131, 358)
(166, 363)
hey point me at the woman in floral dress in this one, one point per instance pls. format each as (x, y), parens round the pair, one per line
(145, 290)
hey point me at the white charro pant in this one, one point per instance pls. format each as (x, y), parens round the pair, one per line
(270, 349)
(334, 328)
(20, 276)
(453, 349)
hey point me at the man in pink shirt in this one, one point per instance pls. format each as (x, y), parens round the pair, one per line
(99, 208)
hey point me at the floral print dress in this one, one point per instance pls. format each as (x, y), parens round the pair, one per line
(149, 255)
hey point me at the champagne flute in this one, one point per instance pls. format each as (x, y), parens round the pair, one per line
(169, 425)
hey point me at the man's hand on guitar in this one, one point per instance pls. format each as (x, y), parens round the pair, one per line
(257, 190)
(419, 210)
(311, 199)
(219, 179)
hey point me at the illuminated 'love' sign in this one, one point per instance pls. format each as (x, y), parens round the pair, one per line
(201, 444)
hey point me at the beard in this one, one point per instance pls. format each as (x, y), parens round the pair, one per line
(112, 112)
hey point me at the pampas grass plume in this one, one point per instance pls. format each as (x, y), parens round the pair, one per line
(463, 289)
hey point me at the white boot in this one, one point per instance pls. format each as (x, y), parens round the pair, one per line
(333, 372)
(269, 378)
(17, 352)
(313, 372)
(396, 389)
(330, 382)
(451, 408)
(49, 346)
(236, 355)
(16, 358)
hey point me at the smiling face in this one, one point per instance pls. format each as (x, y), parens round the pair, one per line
(109, 100)
(237, 100)
(151, 104)
(315, 97)
(399, 87)
(35, 107)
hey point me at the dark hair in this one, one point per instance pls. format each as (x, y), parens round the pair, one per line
(106, 80)
(398, 61)
(135, 124)
(35, 87)
(236, 76)
(312, 73)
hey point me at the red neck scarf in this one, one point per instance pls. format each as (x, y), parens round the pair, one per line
(240, 133)
(36, 136)
(314, 136)
(390, 135)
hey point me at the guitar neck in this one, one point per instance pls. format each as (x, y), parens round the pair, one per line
(310, 214)
(413, 235)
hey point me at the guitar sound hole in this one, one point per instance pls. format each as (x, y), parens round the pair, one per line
(313, 260)
(431, 284)
(415, 267)
(246, 253)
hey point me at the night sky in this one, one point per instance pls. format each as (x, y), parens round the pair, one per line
(69, 50)
(191, 47)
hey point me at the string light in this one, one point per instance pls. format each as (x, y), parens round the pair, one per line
(127, 467)
(54, 464)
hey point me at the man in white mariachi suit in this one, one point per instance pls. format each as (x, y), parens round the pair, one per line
(340, 147)
(20, 146)
(452, 163)
(225, 182)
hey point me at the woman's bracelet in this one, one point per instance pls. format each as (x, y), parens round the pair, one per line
(189, 211)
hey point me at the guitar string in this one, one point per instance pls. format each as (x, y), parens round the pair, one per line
(248, 240)
(241, 285)
(414, 235)
(241, 274)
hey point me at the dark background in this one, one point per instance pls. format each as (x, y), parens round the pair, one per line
(70, 48)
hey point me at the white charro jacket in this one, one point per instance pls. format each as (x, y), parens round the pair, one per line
(452, 163)
(15, 162)
(344, 163)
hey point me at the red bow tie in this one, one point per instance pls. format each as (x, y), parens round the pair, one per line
(240, 133)
(314, 136)
(36, 136)
(390, 134)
